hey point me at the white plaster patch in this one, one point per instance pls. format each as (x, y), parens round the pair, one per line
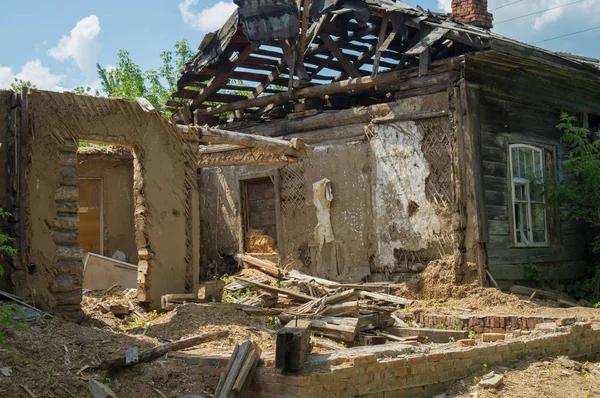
(402, 171)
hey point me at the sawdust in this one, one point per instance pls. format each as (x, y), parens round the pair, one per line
(560, 377)
(257, 241)
(438, 281)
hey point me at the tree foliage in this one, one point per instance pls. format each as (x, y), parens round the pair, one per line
(19, 84)
(578, 196)
(128, 80)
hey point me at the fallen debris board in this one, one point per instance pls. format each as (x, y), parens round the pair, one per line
(491, 380)
(170, 301)
(103, 272)
(264, 265)
(289, 293)
(240, 285)
(543, 294)
(344, 329)
(340, 297)
(385, 297)
(433, 335)
(157, 352)
(344, 309)
(257, 311)
(293, 345)
(266, 299)
(239, 371)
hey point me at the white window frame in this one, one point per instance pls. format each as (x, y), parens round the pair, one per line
(527, 240)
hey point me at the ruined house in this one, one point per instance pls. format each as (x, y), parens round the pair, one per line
(430, 132)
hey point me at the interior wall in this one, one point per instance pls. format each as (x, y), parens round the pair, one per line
(164, 183)
(117, 206)
(393, 199)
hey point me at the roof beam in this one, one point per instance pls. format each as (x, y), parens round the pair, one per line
(382, 32)
(340, 56)
(221, 77)
(359, 84)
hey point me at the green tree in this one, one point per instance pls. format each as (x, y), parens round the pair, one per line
(127, 80)
(19, 84)
(578, 196)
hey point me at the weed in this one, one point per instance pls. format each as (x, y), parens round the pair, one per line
(273, 320)
(153, 315)
(472, 335)
(475, 380)
(105, 380)
(451, 340)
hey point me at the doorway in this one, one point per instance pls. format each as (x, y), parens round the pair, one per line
(260, 216)
(90, 215)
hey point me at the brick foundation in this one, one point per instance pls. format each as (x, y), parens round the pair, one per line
(398, 370)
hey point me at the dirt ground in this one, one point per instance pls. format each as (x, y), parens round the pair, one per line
(557, 377)
(56, 358)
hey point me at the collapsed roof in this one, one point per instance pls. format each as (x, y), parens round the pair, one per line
(272, 52)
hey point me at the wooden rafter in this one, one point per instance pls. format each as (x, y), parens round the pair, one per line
(358, 84)
(427, 41)
(340, 56)
(360, 61)
(222, 77)
(382, 32)
(304, 30)
(294, 66)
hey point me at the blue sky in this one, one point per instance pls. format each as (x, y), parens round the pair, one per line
(56, 44)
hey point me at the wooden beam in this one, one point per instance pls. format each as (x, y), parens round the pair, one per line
(360, 61)
(294, 148)
(294, 66)
(382, 32)
(221, 77)
(303, 33)
(293, 345)
(427, 41)
(425, 55)
(357, 85)
(287, 292)
(340, 56)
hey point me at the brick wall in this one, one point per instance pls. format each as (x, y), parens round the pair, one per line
(416, 372)
(473, 12)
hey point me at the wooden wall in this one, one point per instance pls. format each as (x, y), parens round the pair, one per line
(518, 106)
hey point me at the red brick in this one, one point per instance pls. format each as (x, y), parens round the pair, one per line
(363, 359)
(437, 357)
(401, 372)
(323, 377)
(492, 336)
(466, 342)
(292, 380)
(347, 373)
(413, 361)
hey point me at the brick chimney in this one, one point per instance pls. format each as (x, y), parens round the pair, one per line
(473, 12)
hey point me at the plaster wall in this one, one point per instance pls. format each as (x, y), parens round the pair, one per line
(393, 199)
(117, 206)
(164, 182)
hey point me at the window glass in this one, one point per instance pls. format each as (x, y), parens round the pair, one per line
(529, 209)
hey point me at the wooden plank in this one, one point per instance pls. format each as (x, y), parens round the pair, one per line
(340, 56)
(375, 340)
(290, 294)
(293, 345)
(382, 32)
(344, 329)
(344, 309)
(539, 293)
(427, 41)
(385, 297)
(295, 67)
(240, 285)
(231, 376)
(157, 352)
(247, 370)
(221, 77)
(264, 265)
(305, 17)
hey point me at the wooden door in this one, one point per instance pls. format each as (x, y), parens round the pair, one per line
(90, 215)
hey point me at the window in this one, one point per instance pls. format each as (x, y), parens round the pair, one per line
(529, 208)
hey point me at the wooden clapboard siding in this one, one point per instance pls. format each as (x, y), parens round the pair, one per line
(514, 110)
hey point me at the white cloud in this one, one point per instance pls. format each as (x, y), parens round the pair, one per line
(81, 45)
(207, 19)
(36, 73)
(445, 5)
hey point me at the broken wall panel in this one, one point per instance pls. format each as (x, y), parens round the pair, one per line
(164, 182)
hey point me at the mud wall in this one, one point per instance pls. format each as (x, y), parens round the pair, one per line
(117, 205)
(393, 202)
(164, 191)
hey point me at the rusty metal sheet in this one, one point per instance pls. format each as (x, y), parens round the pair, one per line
(267, 20)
